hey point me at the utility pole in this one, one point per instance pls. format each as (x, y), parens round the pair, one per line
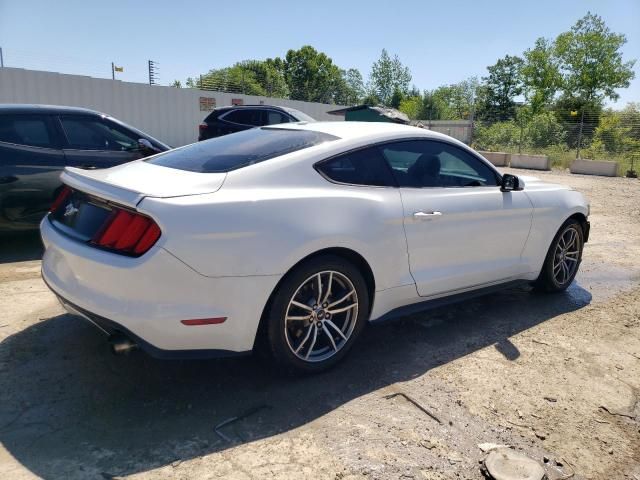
(1, 58)
(113, 71)
(153, 72)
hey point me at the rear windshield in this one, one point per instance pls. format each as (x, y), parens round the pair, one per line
(237, 150)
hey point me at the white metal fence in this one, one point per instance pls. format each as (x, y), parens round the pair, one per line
(170, 114)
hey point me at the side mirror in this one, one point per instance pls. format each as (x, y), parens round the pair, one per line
(145, 144)
(511, 183)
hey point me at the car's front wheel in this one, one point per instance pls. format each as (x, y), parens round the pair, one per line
(563, 258)
(317, 313)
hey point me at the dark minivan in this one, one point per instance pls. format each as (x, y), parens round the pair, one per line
(225, 120)
(38, 141)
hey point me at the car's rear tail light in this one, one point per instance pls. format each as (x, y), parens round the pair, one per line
(62, 196)
(203, 126)
(127, 232)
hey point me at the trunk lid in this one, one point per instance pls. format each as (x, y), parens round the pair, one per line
(129, 183)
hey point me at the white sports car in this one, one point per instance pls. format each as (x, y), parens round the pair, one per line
(291, 238)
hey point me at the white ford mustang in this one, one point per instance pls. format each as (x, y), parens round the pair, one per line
(292, 238)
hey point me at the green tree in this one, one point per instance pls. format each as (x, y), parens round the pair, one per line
(412, 106)
(311, 75)
(541, 76)
(503, 85)
(591, 61)
(351, 89)
(251, 77)
(389, 75)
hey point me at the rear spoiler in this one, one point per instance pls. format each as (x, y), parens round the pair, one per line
(80, 179)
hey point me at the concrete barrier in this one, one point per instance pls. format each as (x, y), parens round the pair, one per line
(535, 162)
(499, 159)
(594, 167)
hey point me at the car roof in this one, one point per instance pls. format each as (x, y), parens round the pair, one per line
(355, 130)
(47, 109)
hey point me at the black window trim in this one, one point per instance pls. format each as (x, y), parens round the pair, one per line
(406, 139)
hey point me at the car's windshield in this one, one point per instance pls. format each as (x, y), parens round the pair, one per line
(237, 150)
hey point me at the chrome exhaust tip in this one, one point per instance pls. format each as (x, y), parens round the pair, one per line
(121, 345)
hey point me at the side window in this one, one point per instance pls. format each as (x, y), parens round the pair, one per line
(426, 163)
(88, 133)
(31, 130)
(245, 116)
(273, 117)
(362, 167)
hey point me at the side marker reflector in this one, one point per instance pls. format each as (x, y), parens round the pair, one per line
(204, 321)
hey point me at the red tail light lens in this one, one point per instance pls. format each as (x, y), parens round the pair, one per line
(203, 126)
(62, 196)
(127, 232)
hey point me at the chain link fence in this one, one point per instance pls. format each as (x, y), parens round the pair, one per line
(564, 135)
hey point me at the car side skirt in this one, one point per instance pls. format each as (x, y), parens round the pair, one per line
(446, 300)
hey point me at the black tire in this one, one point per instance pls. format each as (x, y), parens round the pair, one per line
(551, 282)
(277, 339)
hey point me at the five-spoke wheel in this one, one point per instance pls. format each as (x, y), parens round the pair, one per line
(564, 256)
(318, 311)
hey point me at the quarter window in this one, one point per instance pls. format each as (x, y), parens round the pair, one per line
(424, 163)
(274, 117)
(362, 167)
(31, 130)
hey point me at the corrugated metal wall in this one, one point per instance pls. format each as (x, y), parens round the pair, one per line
(169, 114)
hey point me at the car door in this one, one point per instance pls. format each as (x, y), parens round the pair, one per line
(31, 160)
(92, 142)
(462, 231)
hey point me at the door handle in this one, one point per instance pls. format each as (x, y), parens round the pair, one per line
(427, 215)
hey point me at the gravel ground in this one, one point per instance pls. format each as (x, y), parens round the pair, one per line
(556, 377)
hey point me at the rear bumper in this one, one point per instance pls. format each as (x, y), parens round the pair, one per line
(147, 297)
(110, 327)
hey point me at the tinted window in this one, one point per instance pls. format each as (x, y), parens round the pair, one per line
(362, 167)
(245, 116)
(274, 117)
(424, 163)
(29, 130)
(96, 134)
(237, 150)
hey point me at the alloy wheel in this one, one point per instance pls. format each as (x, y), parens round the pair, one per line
(321, 316)
(566, 255)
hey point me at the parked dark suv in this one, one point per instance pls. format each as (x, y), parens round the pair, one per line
(38, 141)
(225, 120)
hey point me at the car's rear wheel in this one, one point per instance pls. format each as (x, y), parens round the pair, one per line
(317, 313)
(563, 258)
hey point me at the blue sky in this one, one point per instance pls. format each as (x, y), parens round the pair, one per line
(441, 42)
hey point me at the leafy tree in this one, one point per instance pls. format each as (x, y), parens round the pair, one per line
(396, 98)
(311, 75)
(252, 77)
(503, 84)
(541, 76)
(412, 106)
(351, 89)
(176, 84)
(591, 61)
(389, 75)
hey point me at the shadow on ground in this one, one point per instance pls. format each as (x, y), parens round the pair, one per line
(20, 247)
(69, 406)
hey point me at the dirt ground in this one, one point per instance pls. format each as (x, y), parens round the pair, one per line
(556, 377)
